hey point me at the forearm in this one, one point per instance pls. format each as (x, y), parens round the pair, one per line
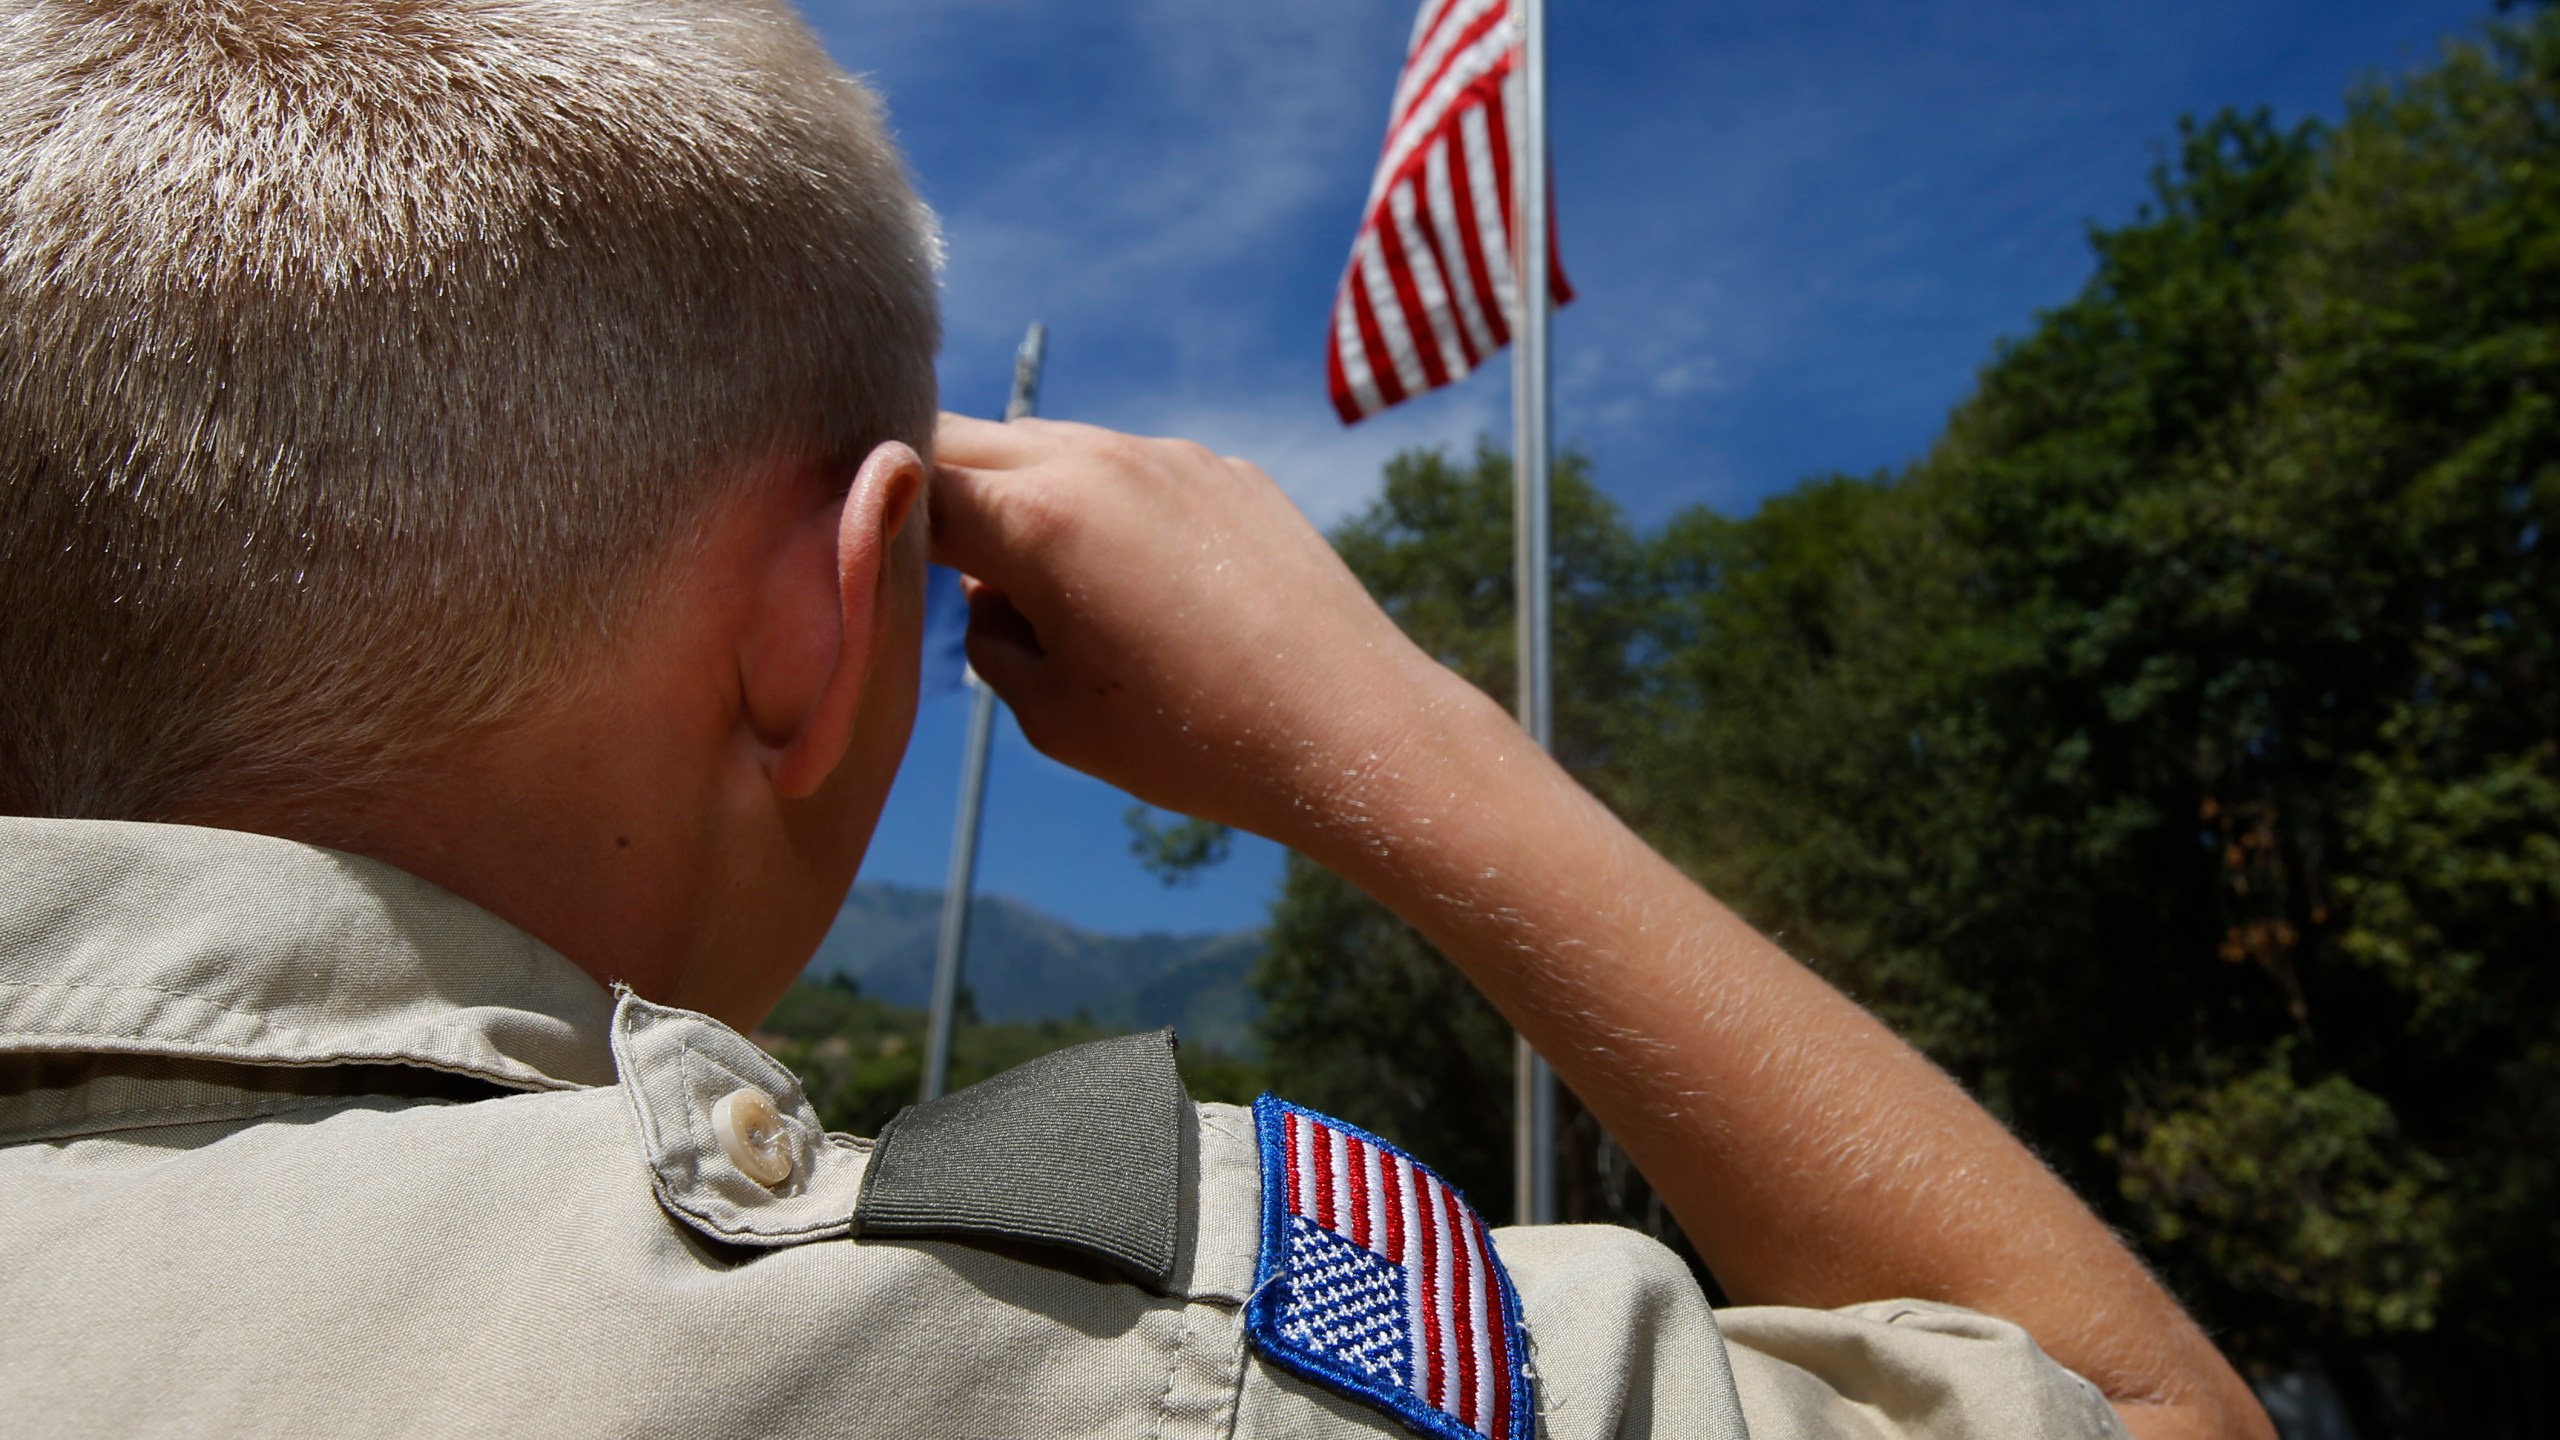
(1163, 618)
(1812, 1157)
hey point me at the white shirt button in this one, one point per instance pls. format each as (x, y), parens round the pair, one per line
(753, 1136)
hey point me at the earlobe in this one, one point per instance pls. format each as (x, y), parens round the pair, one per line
(887, 493)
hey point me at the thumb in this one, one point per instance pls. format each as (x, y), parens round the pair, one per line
(1005, 650)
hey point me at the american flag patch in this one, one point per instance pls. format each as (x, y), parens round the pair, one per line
(1377, 1280)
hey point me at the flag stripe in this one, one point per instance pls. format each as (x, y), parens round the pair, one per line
(1409, 1255)
(1489, 55)
(1451, 48)
(1498, 1330)
(1453, 1307)
(1313, 1176)
(1373, 1181)
(1434, 1323)
(1348, 1201)
(1329, 1176)
(1391, 1204)
(1473, 243)
(1465, 1321)
(1451, 239)
(1394, 341)
(1429, 282)
(1396, 262)
(1345, 402)
(1493, 224)
(1499, 114)
(1294, 1132)
(1355, 389)
(1482, 1323)
(1373, 341)
(1320, 1180)
(1435, 31)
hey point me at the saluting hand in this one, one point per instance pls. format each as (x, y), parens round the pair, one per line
(1164, 618)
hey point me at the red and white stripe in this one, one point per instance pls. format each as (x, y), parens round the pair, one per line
(1428, 294)
(1458, 1329)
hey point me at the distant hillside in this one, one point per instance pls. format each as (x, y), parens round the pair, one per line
(1023, 965)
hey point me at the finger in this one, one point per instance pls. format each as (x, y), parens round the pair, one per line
(994, 620)
(1015, 444)
(1003, 445)
(967, 529)
(1003, 648)
(987, 444)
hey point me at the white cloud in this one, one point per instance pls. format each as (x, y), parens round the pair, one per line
(1662, 355)
(1163, 194)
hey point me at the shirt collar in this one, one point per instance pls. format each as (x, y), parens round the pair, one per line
(183, 942)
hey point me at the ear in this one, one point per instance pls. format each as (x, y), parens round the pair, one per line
(803, 694)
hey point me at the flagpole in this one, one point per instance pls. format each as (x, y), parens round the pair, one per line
(1534, 1167)
(957, 890)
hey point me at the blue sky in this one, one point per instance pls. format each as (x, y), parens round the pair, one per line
(1797, 231)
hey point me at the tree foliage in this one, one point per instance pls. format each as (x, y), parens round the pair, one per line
(2173, 752)
(861, 1059)
(1175, 851)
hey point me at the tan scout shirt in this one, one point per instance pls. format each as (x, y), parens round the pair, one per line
(292, 1143)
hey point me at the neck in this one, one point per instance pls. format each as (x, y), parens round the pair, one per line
(573, 842)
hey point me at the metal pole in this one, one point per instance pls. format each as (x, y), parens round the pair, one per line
(958, 889)
(1532, 450)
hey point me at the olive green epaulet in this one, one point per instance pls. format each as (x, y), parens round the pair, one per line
(1081, 1148)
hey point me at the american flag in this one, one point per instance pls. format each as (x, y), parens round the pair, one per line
(1428, 293)
(1378, 1278)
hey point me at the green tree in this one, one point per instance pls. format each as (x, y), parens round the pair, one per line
(1174, 852)
(2173, 752)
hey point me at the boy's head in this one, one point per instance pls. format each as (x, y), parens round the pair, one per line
(481, 434)
(364, 364)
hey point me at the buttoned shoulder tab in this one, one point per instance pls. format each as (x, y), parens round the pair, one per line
(1081, 1148)
(734, 1148)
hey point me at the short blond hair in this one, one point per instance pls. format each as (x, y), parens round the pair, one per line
(362, 361)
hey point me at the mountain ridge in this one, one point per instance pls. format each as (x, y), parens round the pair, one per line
(1025, 964)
